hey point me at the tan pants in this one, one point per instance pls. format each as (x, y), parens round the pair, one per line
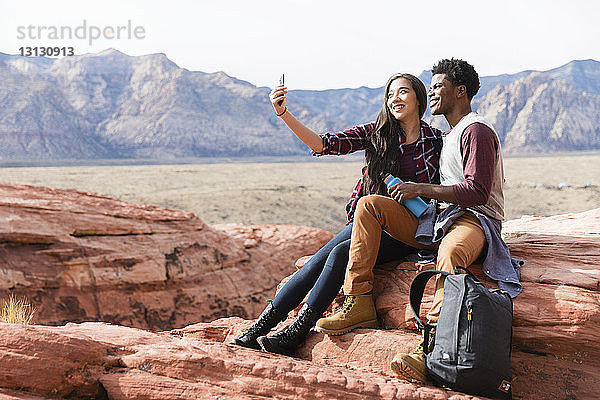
(461, 246)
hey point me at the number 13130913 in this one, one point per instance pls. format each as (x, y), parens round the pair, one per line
(46, 51)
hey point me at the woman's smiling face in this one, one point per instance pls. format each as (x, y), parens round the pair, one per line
(402, 100)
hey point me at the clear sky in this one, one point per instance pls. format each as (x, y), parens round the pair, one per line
(320, 44)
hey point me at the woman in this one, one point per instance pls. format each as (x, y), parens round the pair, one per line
(398, 142)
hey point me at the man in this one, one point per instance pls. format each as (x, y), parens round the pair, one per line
(465, 226)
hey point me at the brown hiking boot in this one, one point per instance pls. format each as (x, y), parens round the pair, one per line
(357, 312)
(412, 366)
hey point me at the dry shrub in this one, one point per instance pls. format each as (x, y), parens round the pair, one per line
(17, 311)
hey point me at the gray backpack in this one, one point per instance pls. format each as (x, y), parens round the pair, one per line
(473, 338)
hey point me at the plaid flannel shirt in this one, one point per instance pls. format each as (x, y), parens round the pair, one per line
(426, 156)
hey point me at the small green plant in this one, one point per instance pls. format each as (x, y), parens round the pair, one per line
(17, 311)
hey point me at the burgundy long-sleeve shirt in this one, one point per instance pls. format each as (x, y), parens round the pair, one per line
(479, 147)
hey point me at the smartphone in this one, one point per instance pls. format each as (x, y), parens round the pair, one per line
(281, 82)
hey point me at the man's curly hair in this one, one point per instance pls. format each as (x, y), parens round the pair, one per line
(459, 72)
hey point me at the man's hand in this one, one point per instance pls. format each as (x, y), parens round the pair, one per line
(408, 190)
(404, 190)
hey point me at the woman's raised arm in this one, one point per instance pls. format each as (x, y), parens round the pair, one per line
(305, 134)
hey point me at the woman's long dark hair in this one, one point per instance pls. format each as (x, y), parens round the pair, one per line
(381, 151)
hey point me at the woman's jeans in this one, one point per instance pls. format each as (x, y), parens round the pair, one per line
(324, 272)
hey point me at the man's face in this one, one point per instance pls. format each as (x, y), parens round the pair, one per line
(441, 95)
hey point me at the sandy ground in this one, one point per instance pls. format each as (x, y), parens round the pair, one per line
(310, 193)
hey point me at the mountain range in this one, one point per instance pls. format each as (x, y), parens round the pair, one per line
(110, 105)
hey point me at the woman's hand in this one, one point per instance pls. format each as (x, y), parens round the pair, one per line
(404, 191)
(304, 133)
(277, 95)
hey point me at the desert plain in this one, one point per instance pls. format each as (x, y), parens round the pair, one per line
(312, 192)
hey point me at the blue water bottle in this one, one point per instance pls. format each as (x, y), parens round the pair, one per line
(416, 205)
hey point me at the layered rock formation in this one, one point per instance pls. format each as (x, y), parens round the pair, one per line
(47, 236)
(95, 360)
(537, 115)
(111, 105)
(85, 257)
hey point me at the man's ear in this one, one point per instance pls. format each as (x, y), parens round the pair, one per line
(461, 91)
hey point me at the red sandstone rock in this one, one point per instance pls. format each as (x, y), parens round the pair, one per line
(556, 335)
(96, 360)
(51, 240)
(80, 257)
(7, 394)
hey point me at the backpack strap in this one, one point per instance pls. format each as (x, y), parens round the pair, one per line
(416, 293)
(417, 288)
(457, 268)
